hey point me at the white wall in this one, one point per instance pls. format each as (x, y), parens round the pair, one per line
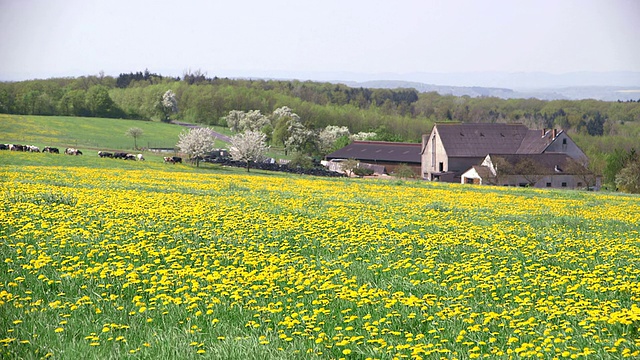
(433, 154)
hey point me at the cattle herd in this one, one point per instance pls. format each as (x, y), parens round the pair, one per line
(70, 151)
(27, 148)
(120, 155)
(222, 160)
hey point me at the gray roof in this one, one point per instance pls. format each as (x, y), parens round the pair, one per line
(483, 171)
(380, 151)
(547, 163)
(478, 140)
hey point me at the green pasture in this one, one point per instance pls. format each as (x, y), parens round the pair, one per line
(88, 133)
(97, 133)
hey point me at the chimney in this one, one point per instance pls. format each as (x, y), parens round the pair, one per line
(555, 133)
(544, 131)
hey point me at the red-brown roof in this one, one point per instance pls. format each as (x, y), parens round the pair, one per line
(478, 140)
(547, 163)
(380, 151)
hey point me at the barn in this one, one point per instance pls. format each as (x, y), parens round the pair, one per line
(382, 156)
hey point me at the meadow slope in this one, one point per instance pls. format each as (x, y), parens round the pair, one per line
(152, 262)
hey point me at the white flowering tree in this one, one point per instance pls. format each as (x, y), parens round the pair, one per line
(239, 121)
(248, 146)
(282, 119)
(233, 119)
(300, 138)
(196, 143)
(328, 136)
(168, 104)
(361, 136)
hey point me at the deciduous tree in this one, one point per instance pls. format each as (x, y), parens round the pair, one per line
(628, 179)
(168, 105)
(135, 133)
(99, 102)
(196, 143)
(530, 170)
(328, 137)
(349, 166)
(248, 146)
(240, 121)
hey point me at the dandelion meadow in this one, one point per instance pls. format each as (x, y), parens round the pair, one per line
(101, 263)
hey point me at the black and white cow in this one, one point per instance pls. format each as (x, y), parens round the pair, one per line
(105, 154)
(72, 151)
(172, 159)
(51, 150)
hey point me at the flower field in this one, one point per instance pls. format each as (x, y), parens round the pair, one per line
(117, 263)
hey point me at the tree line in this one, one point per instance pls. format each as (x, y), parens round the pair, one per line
(398, 114)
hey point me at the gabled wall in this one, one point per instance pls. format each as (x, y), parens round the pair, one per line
(563, 144)
(433, 154)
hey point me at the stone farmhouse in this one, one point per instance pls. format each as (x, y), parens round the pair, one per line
(489, 154)
(502, 154)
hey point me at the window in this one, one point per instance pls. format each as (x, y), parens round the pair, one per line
(468, 180)
(548, 184)
(579, 184)
(441, 166)
(564, 184)
(564, 141)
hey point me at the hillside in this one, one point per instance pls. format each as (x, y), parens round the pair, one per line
(398, 114)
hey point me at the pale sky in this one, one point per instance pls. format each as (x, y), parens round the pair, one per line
(243, 38)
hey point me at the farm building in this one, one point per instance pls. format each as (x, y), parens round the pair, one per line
(381, 156)
(548, 170)
(453, 149)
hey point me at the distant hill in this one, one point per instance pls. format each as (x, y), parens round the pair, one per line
(606, 86)
(605, 93)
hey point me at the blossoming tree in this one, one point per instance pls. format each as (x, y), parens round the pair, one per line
(196, 143)
(249, 146)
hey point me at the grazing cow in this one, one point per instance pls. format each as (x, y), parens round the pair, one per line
(4, 146)
(16, 147)
(172, 159)
(51, 150)
(119, 155)
(130, 157)
(139, 157)
(105, 154)
(72, 151)
(32, 148)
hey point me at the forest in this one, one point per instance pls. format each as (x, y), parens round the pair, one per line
(601, 128)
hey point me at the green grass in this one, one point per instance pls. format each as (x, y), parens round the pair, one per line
(98, 133)
(88, 133)
(110, 261)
